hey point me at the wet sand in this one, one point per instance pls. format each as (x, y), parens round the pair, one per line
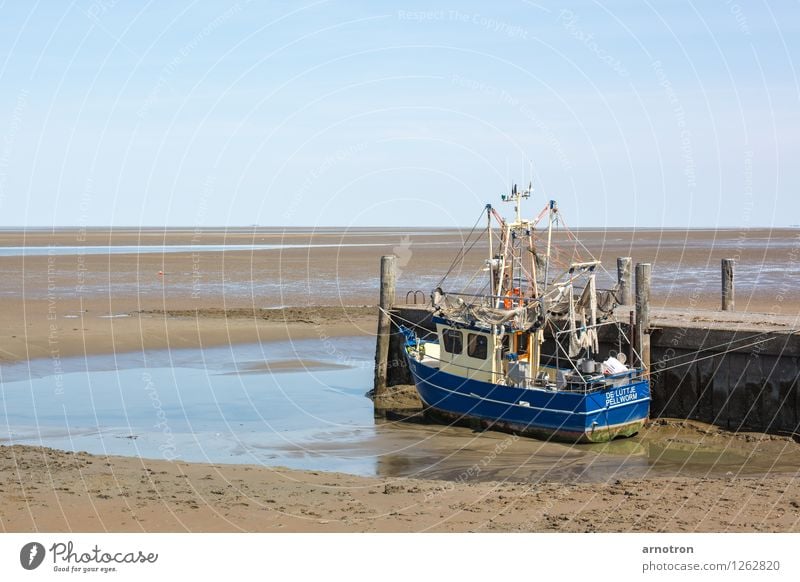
(53, 305)
(67, 328)
(340, 267)
(48, 490)
(73, 305)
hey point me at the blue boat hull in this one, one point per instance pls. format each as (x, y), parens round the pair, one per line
(596, 416)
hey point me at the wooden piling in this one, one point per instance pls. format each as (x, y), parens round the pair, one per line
(624, 280)
(387, 299)
(727, 284)
(643, 313)
(631, 338)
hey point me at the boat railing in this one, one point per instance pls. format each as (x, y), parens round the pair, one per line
(491, 300)
(572, 362)
(412, 296)
(601, 382)
(584, 385)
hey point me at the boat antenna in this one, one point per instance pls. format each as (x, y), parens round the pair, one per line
(516, 197)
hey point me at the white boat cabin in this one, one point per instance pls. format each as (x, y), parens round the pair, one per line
(480, 355)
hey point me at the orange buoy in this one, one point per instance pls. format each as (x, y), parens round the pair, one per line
(507, 302)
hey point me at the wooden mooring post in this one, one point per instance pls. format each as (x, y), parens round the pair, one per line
(387, 299)
(643, 313)
(727, 284)
(624, 280)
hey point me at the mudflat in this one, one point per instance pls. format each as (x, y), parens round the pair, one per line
(49, 490)
(77, 296)
(320, 284)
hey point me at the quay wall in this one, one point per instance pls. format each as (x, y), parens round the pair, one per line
(733, 378)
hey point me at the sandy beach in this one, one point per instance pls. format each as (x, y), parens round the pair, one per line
(30, 333)
(48, 490)
(64, 305)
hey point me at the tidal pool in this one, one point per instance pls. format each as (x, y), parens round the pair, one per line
(302, 405)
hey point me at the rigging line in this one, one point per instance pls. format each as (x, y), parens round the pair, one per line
(659, 370)
(461, 250)
(394, 316)
(728, 344)
(476, 241)
(483, 289)
(602, 266)
(703, 350)
(500, 220)
(540, 216)
(471, 279)
(571, 236)
(653, 369)
(471, 246)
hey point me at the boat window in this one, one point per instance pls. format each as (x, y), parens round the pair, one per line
(453, 342)
(476, 346)
(522, 348)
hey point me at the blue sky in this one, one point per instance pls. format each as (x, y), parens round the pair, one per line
(363, 113)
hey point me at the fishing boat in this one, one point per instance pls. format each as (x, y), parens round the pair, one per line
(517, 348)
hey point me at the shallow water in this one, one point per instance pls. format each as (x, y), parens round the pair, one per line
(46, 251)
(320, 266)
(210, 405)
(226, 405)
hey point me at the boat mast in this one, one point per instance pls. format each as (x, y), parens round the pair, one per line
(491, 253)
(551, 214)
(514, 228)
(534, 273)
(496, 342)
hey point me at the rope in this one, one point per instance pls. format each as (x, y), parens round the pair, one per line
(678, 365)
(471, 279)
(769, 339)
(394, 317)
(728, 343)
(461, 253)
